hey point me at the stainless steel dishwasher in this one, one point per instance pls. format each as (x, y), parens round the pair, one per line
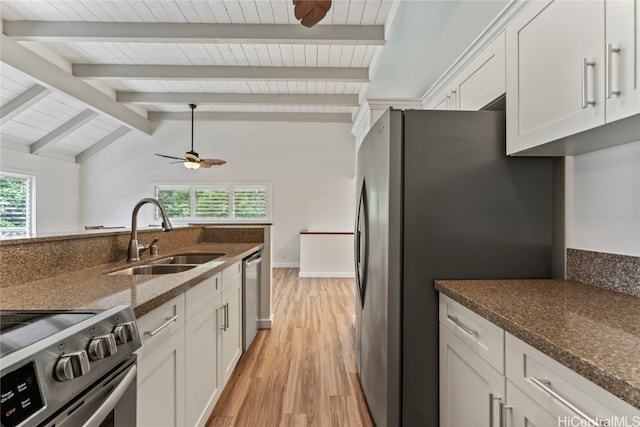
(250, 297)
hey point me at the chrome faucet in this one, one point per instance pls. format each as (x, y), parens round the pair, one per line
(134, 248)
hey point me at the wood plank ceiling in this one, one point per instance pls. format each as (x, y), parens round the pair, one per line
(77, 75)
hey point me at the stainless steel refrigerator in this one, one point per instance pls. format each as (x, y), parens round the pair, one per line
(438, 199)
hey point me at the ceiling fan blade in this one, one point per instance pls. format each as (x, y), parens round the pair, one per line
(181, 161)
(310, 12)
(170, 157)
(207, 163)
(302, 8)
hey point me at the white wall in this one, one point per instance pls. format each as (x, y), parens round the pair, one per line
(309, 166)
(603, 200)
(57, 188)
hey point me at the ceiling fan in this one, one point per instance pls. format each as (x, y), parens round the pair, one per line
(191, 159)
(310, 12)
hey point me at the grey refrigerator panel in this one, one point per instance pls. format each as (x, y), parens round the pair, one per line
(444, 203)
(372, 293)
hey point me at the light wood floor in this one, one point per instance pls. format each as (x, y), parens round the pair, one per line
(302, 372)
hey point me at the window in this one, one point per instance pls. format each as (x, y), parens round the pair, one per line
(16, 205)
(215, 202)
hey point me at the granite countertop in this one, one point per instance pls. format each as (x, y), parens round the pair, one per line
(593, 331)
(94, 288)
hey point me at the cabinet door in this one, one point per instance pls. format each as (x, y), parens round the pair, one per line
(522, 411)
(232, 331)
(443, 104)
(555, 64)
(202, 374)
(470, 389)
(483, 80)
(622, 50)
(161, 384)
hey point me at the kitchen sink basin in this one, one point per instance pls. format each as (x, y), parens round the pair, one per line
(189, 258)
(153, 269)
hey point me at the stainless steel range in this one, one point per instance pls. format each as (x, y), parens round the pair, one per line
(68, 368)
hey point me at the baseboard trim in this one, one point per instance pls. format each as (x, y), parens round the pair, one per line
(265, 323)
(286, 265)
(341, 274)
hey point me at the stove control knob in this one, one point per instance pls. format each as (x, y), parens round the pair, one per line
(126, 332)
(72, 365)
(102, 346)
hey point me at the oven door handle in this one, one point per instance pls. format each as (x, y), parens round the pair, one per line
(110, 403)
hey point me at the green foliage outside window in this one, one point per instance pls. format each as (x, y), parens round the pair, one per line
(15, 205)
(250, 203)
(177, 203)
(219, 202)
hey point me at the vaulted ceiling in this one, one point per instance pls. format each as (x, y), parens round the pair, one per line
(77, 75)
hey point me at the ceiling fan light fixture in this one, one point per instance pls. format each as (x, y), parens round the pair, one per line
(191, 165)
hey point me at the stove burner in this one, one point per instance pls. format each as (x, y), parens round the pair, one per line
(20, 329)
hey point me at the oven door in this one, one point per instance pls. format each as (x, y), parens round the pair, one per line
(110, 402)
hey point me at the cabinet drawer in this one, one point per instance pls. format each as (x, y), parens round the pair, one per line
(485, 338)
(557, 388)
(202, 294)
(471, 390)
(157, 325)
(231, 274)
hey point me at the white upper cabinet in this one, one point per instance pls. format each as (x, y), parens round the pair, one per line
(560, 81)
(555, 60)
(479, 83)
(442, 102)
(622, 87)
(483, 80)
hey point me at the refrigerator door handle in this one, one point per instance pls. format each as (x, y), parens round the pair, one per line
(361, 243)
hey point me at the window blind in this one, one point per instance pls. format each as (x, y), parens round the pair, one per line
(219, 201)
(249, 203)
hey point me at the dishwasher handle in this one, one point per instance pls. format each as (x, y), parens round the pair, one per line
(254, 259)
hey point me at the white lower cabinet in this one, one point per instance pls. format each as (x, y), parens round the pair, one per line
(190, 347)
(535, 390)
(231, 331)
(471, 390)
(522, 411)
(553, 389)
(161, 379)
(202, 345)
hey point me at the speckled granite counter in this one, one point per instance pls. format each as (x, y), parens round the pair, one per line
(593, 331)
(93, 288)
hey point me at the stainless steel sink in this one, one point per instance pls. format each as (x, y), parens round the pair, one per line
(153, 269)
(189, 258)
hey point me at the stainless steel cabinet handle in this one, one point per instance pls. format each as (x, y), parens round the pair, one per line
(544, 385)
(169, 321)
(454, 100)
(585, 77)
(609, 81)
(461, 325)
(226, 316)
(223, 323)
(491, 399)
(503, 414)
